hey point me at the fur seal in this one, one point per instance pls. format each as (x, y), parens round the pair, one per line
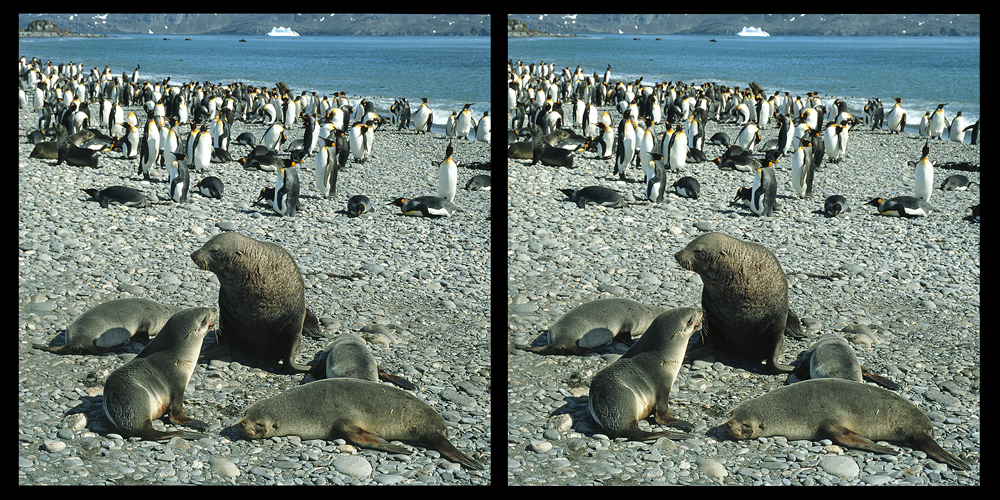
(832, 357)
(113, 323)
(262, 307)
(745, 297)
(851, 414)
(350, 357)
(153, 382)
(366, 414)
(597, 323)
(639, 382)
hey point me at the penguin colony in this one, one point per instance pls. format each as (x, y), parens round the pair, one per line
(655, 130)
(181, 133)
(170, 183)
(622, 200)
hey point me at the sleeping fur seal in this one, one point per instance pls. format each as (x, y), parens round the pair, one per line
(113, 323)
(262, 307)
(350, 357)
(639, 382)
(832, 357)
(745, 298)
(366, 414)
(597, 323)
(153, 382)
(851, 414)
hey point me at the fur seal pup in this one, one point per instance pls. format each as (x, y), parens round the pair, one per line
(851, 414)
(596, 323)
(745, 297)
(112, 323)
(832, 357)
(262, 306)
(639, 382)
(349, 357)
(153, 382)
(366, 414)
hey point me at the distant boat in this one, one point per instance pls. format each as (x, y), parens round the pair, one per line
(751, 31)
(282, 31)
(712, 40)
(243, 39)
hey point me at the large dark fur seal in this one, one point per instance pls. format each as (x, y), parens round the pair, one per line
(262, 306)
(745, 298)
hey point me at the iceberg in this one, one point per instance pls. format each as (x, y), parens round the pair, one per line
(751, 31)
(282, 31)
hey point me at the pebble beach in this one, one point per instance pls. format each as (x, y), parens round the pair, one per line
(904, 292)
(417, 289)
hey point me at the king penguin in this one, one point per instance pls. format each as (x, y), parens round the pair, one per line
(483, 128)
(802, 168)
(447, 176)
(425, 206)
(764, 189)
(211, 187)
(656, 178)
(358, 204)
(687, 187)
(180, 179)
(902, 206)
(626, 145)
(938, 122)
(424, 117)
(923, 176)
(202, 149)
(958, 126)
(361, 141)
(925, 124)
(834, 205)
(897, 117)
(130, 148)
(605, 140)
(327, 168)
(463, 125)
(286, 189)
(149, 149)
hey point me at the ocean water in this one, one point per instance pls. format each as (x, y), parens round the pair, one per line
(923, 71)
(448, 71)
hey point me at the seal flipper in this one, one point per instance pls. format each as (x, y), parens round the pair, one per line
(311, 326)
(935, 451)
(880, 380)
(444, 447)
(793, 327)
(395, 379)
(848, 438)
(360, 437)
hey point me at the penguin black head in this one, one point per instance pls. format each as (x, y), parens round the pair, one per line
(926, 149)
(265, 193)
(398, 201)
(875, 202)
(448, 150)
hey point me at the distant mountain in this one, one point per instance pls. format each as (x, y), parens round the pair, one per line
(261, 24)
(775, 24)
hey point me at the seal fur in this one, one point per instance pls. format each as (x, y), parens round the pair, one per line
(851, 414)
(262, 307)
(597, 323)
(745, 298)
(832, 357)
(153, 382)
(113, 323)
(639, 382)
(366, 414)
(350, 357)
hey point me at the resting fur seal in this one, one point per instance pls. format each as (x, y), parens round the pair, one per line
(113, 323)
(153, 382)
(745, 297)
(832, 357)
(366, 414)
(639, 382)
(597, 323)
(851, 414)
(262, 306)
(349, 357)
